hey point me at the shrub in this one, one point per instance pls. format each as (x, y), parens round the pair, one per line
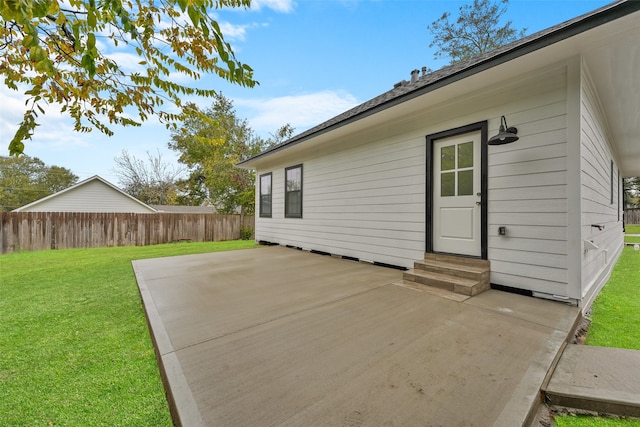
(246, 233)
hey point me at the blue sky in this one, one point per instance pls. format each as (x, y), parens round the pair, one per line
(313, 58)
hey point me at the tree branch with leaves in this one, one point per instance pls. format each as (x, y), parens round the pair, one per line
(477, 30)
(55, 51)
(210, 143)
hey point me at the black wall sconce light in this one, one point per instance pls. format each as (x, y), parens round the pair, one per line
(505, 136)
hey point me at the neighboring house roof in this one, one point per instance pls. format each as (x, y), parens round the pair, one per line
(184, 209)
(406, 91)
(94, 194)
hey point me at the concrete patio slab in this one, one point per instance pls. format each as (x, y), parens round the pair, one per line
(275, 336)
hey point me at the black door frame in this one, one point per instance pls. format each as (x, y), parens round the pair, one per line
(482, 127)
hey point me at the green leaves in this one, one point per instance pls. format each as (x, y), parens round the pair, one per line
(60, 56)
(89, 64)
(30, 41)
(210, 143)
(88, 59)
(194, 15)
(91, 18)
(16, 146)
(183, 4)
(25, 130)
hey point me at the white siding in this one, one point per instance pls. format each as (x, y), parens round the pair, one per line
(597, 207)
(365, 202)
(528, 191)
(91, 196)
(365, 197)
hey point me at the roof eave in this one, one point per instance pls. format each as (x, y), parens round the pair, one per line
(520, 48)
(80, 184)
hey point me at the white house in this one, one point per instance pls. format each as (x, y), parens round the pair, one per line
(411, 171)
(91, 195)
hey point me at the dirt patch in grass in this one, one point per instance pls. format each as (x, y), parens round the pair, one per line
(581, 331)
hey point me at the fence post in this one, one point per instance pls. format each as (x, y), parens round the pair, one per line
(53, 235)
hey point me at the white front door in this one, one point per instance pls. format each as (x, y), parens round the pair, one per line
(456, 195)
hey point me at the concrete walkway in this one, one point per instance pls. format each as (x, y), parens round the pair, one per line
(280, 337)
(599, 379)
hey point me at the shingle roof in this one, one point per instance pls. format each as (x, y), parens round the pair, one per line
(455, 72)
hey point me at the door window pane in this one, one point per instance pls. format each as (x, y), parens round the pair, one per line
(456, 170)
(465, 183)
(465, 155)
(448, 184)
(448, 158)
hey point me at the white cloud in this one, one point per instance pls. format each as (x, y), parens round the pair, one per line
(126, 61)
(304, 111)
(233, 32)
(55, 130)
(284, 6)
(11, 110)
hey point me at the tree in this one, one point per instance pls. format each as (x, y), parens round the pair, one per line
(631, 188)
(26, 179)
(476, 31)
(211, 148)
(56, 50)
(153, 182)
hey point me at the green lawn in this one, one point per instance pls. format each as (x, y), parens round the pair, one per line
(583, 421)
(615, 318)
(632, 229)
(615, 322)
(74, 345)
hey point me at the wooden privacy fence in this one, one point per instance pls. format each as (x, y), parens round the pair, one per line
(33, 231)
(632, 216)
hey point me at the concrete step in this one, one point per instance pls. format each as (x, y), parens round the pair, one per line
(447, 282)
(465, 271)
(599, 379)
(453, 259)
(462, 275)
